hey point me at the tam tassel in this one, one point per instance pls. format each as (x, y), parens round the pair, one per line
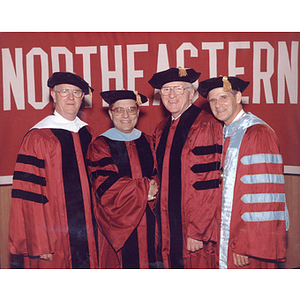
(138, 98)
(226, 84)
(182, 72)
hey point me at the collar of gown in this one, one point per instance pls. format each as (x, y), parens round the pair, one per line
(238, 116)
(116, 135)
(56, 121)
(174, 119)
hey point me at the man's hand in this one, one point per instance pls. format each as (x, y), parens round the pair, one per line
(194, 245)
(240, 260)
(46, 257)
(153, 189)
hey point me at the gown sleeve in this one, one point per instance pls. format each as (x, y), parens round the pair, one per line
(31, 230)
(260, 215)
(201, 189)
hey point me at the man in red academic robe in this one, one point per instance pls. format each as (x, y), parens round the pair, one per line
(252, 213)
(51, 220)
(187, 147)
(121, 165)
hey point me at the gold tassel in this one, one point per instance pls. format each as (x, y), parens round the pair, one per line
(182, 72)
(138, 98)
(226, 84)
(90, 93)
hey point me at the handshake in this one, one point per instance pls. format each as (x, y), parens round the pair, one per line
(153, 189)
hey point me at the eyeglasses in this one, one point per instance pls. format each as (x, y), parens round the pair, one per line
(66, 92)
(178, 90)
(118, 111)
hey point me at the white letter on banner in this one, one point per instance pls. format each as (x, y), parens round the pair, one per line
(264, 76)
(162, 58)
(131, 72)
(13, 78)
(180, 53)
(162, 64)
(30, 77)
(106, 74)
(86, 52)
(180, 61)
(213, 47)
(233, 70)
(288, 71)
(55, 51)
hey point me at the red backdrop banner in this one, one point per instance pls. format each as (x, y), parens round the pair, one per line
(115, 60)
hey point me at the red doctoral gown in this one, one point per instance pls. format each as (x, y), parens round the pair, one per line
(119, 171)
(254, 215)
(51, 205)
(188, 154)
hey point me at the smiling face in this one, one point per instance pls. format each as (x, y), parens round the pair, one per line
(67, 106)
(124, 121)
(176, 104)
(225, 105)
